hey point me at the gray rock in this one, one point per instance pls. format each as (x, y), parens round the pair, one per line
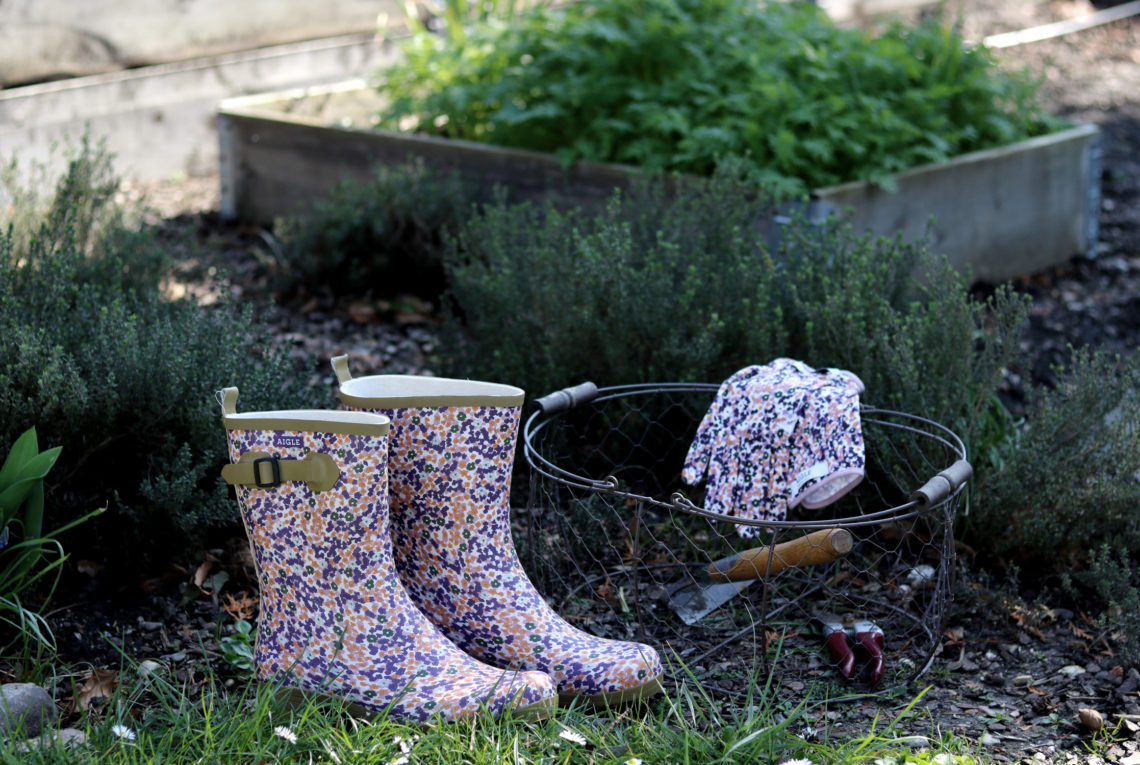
(66, 737)
(1130, 682)
(25, 710)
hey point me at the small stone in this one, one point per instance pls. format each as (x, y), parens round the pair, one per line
(1091, 719)
(914, 742)
(149, 667)
(26, 709)
(1130, 682)
(1071, 671)
(920, 575)
(150, 626)
(989, 739)
(176, 657)
(1021, 681)
(68, 737)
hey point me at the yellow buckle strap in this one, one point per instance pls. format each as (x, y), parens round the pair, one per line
(266, 472)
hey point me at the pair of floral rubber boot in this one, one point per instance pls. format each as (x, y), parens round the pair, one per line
(381, 535)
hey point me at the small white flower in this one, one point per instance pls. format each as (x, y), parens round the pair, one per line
(282, 732)
(123, 732)
(401, 760)
(405, 744)
(574, 737)
(633, 761)
(803, 761)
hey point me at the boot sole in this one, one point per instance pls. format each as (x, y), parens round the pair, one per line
(293, 698)
(600, 701)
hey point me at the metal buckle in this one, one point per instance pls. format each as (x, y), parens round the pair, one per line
(276, 473)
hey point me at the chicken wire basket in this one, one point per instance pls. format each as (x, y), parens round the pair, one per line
(622, 548)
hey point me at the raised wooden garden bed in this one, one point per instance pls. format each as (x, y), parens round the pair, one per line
(1002, 212)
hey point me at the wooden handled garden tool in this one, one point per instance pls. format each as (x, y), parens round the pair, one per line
(724, 578)
(821, 546)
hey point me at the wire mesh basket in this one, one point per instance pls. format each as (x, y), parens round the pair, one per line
(622, 548)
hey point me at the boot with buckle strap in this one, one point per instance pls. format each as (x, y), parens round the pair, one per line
(313, 490)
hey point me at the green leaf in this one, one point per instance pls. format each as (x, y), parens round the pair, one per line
(25, 479)
(23, 450)
(34, 511)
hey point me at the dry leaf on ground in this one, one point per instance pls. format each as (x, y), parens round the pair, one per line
(100, 684)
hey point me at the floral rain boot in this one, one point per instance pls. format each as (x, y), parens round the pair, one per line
(313, 490)
(450, 461)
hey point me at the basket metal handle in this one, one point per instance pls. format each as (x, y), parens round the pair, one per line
(567, 398)
(941, 486)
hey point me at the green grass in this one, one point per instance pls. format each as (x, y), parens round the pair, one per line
(151, 719)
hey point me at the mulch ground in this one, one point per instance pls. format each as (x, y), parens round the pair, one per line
(1012, 675)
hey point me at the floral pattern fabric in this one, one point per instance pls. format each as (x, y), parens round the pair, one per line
(450, 487)
(777, 436)
(334, 616)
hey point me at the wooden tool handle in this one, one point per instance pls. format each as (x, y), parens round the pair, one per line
(817, 547)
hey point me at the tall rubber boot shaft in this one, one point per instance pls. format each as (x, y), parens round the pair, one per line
(334, 616)
(452, 452)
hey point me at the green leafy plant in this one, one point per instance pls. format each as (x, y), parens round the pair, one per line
(683, 286)
(23, 544)
(452, 17)
(121, 376)
(1068, 483)
(680, 85)
(382, 235)
(237, 649)
(1060, 498)
(1108, 580)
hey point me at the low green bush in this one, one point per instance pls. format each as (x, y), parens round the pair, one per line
(381, 235)
(1056, 496)
(1107, 582)
(679, 85)
(119, 376)
(683, 286)
(1069, 481)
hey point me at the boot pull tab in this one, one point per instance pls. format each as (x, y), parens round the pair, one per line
(340, 366)
(227, 400)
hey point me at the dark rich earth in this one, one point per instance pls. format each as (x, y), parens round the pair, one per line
(1011, 677)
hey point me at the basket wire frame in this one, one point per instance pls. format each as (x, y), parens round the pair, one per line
(610, 535)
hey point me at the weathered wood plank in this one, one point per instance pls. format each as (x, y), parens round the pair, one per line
(159, 121)
(1002, 213)
(42, 39)
(277, 160)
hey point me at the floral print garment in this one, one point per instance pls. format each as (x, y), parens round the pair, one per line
(777, 436)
